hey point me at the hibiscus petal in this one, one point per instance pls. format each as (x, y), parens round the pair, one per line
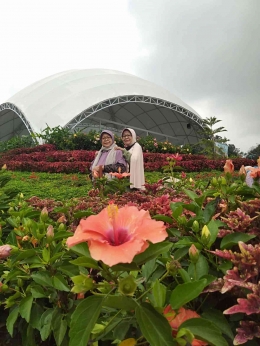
(100, 223)
(112, 255)
(152, 230)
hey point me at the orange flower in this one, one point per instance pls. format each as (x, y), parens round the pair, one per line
(117, 235)
(229, 167)
(176, 319)
(242, 170)
(255, 173)
(120, 175)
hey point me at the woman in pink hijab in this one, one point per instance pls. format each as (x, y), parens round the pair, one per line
(133, 154)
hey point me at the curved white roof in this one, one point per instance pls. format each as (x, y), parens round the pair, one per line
(59, 98)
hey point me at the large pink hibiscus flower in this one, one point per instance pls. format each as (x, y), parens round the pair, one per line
(116, 235)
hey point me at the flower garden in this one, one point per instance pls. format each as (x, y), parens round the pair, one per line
(177, 264)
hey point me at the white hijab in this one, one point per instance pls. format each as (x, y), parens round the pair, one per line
(136, 163)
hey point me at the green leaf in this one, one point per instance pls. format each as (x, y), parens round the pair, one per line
(196, 271)
(219, 320)
(68, 269)
(176, 212)
(199, 200)
(11, 319)
(159, 294)
(25, 308)
(178, 254)
(46, 322)
(148, 268)
(153, 251)
(83, 320)
(191, 194)
(37, 291)
(210, 210)
(46, 254)
(23, 254)
(84, 261)
(124, 267)
(163, 218)
(60, 283)
(154, 326)
(81, 249)
(120, 302)
(213, 226)
(42, 278)
(232, 239)
(119, 332)
(184, 293)
(205, 330)
(36, 313)
(82, 213)
(62, 235)
(59, 327)
(184, 275)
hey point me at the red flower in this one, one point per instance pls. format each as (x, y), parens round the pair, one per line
(117, 235)
(176, 319)
(177, 157)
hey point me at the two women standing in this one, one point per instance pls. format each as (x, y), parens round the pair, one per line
(111, 158)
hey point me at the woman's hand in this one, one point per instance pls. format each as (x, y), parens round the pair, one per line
(95, 174)
(119, 148)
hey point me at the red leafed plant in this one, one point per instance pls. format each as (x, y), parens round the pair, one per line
(243, 279)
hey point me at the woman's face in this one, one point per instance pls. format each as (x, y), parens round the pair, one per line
(106, 140)
(127, 138)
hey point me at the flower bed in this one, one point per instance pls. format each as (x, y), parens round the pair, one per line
(167, 266)
(45, 159)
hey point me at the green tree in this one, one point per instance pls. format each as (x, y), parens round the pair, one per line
(210, 136)
(254, 152)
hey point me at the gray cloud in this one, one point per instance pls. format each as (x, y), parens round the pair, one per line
(206, 52)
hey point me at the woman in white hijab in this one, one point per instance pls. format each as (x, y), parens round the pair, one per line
(133, 154)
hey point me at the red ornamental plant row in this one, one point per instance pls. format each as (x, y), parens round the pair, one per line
(45, 158)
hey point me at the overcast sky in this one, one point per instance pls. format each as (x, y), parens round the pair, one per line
(206, 52)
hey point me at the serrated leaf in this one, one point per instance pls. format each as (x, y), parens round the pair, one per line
(25, 308)
(46, 319)
(36, 313)
(59, 327)
(42, 278)
(184, 293)
(154, 327)
(81, 249)
(60, 283)
(83, 320)
(11, 319)
(84, 261)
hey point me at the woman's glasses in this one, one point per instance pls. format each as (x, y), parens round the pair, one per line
(125, 136)
(103, 138)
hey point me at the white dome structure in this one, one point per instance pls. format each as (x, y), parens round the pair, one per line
(98, 99)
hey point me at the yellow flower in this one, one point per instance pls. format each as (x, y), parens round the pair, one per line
(205, 231)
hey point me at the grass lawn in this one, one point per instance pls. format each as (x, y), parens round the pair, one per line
(60, 186)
